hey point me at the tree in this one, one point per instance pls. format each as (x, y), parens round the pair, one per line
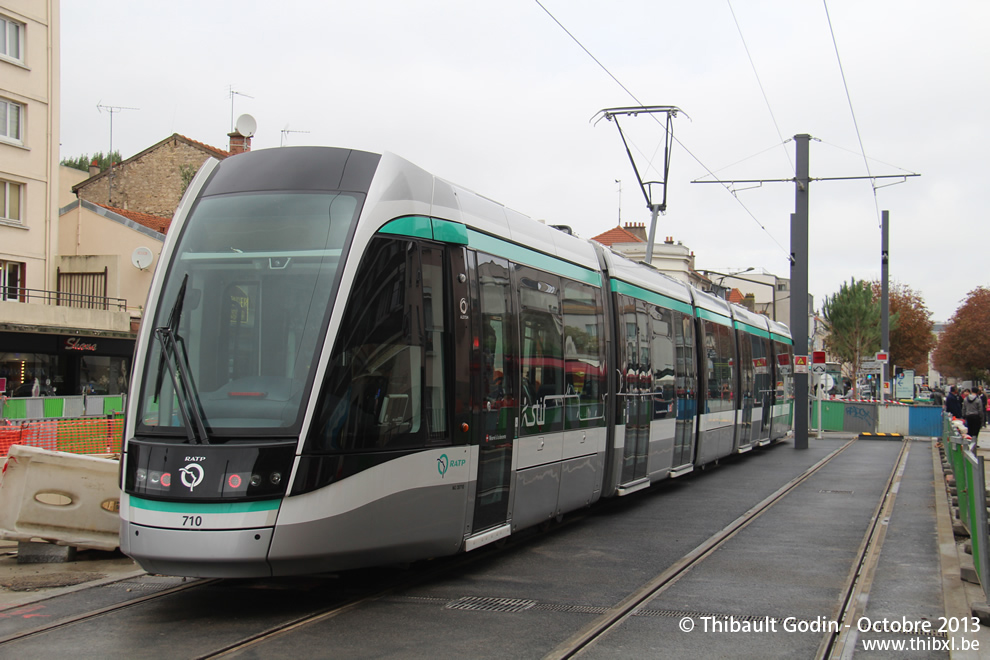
(853, 317)
(964, 347)
(912, 340)
(83, 162)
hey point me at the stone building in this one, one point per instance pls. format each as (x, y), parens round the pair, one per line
(152, 181)
(674, 259)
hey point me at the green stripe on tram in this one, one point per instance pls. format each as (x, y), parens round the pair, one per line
(417, 226)
(745, 327)
(714, 317)
(194, 507)
(781, 338)
(638, 292)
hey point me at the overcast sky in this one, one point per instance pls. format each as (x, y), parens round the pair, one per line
(495, 96)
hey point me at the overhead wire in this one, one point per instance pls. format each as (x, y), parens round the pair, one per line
(759, 82)
(673, 137)
(845, 85)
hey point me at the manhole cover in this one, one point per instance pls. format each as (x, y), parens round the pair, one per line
(481, 604)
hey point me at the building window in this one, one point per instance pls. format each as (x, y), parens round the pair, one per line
(11, 280)
(11, 118)
(11, 39)
(10, 201)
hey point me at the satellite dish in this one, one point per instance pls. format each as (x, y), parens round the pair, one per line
(246, 125)
(142, 257)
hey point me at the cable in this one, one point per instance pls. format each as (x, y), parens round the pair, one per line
(675, 139)
(760, 83)
(561, 25)
(859, 137)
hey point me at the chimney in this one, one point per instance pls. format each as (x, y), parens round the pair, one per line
(94, 168)
(669, 240)
(637, 229)
(238, 143)
(749, 302)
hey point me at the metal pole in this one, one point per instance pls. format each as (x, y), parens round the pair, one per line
(653, 233)
(885, 305)
(799, 286)
(110, 173)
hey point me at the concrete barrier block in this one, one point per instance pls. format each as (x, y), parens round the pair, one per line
(62, 498)
(981, 611)
(29, 552)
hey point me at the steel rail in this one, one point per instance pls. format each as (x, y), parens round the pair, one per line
(634, 601)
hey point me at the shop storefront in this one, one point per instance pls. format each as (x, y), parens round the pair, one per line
(34, 364)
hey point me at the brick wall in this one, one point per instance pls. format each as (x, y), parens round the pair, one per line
(151, 183)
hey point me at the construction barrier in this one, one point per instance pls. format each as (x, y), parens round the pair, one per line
(833, 414)
(54, 407)
(865, 416)
(60, 498)
(859, 417)
(970, 489)
(893, 419)
(78, 436)
(925, 421)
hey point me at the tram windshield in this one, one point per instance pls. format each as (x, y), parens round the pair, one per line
(242, 313)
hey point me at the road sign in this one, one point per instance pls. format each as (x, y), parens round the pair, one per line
(800, 364)
(818, 368)
(870, 367)
(818, 357)
(881, 356)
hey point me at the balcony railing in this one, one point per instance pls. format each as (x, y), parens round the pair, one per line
(62, 299)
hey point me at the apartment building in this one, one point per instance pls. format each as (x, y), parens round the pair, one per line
(51, 340)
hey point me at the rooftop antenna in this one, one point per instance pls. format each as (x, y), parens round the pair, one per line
(285, 132)
(232, 93)
(619, 181)
(613, 114)
(111, 109)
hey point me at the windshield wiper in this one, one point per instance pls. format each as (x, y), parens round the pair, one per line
(177, 361)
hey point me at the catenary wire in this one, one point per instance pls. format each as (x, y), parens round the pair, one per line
(673, 137)
(759, 82)
(859, 137)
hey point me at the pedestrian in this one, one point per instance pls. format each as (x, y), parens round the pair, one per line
(973, 412)
(983, 397)
(953, 404)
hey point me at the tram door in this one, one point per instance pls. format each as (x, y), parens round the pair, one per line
(635, 388)
(494, 396)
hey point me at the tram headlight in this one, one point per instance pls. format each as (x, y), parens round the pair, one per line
(255, 480)
(141, 475)
(276, 478)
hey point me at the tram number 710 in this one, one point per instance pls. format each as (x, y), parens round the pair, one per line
(192, 521)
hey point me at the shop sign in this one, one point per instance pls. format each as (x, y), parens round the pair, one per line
(79, 344)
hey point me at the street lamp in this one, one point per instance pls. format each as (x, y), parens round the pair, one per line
(772, 286)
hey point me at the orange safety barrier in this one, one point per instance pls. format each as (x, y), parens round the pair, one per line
(77, 436)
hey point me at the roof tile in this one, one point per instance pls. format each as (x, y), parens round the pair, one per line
(617, 235)
(155, 222)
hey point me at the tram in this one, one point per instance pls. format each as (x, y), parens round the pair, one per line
(347, 361)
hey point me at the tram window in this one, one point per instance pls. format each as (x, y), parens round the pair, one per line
(584, 364)
(542, 360)
(384, 387)
(497, 382)
(663, 362)
(747, 371)
(719, 355)
(761, 370)
(687, 387)
(241, 302)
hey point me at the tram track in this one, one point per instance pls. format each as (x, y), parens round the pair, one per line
(853, 597)
(350, 594)
(347, 598)
(102, 611)
(841, 643)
